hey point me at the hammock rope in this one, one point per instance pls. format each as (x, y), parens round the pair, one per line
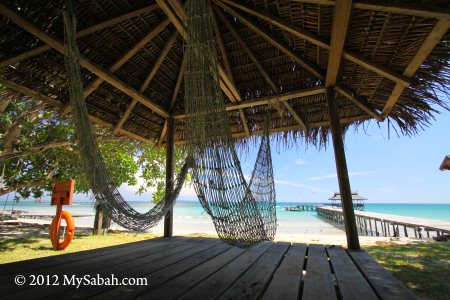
(104, 190)
(243, 214)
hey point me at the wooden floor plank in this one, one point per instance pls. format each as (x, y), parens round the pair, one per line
(219, 282)
(383, 282)
(179, 285)
(352, 284)
(163, 275)
(318, 280)
(285, 283)
(50, 261)
(102, 265)
(252, 284)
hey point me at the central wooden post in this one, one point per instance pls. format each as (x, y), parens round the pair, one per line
(342, 172)
(168, 219)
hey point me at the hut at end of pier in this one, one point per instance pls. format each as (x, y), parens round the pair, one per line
(358, 200)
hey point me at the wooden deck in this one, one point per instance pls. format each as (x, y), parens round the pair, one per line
(203, 268)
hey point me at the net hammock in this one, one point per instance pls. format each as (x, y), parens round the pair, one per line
(243, 213)
(105, 192)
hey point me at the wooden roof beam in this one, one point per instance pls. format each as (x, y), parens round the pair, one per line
(270, 100)
(35, 95)
(149, 78)
(434, 37)
(407, 9)
(30, 93)
(341, 17)
(316, 40)
(343, 121)
(360, 103)
(247, 50)
(93, 85)
(176, 92)
(260, 69)
(84, 62)
(307, 65)
(84, 32)
(225, 82)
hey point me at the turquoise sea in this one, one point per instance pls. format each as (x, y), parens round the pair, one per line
(193, 209)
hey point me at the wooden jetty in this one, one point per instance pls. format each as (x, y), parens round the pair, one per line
(301, 207)
(205, 268)
(377, 224)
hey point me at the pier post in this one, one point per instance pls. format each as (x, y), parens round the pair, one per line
(342, 171)
(168, 218)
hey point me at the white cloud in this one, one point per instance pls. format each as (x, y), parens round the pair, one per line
(334, 175)
(300, 162)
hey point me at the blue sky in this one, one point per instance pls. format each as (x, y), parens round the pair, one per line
(395, 170)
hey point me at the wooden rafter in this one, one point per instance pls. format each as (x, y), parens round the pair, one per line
(93, 85)
(394, 7)
(433, 38)
(247, 50)
(360, 103)
(220, 43)
(270, 100)
(316, 40)
(343, 121)
(176, 91)
(307, 65)
(225, 82)
(149, 78)
(95, 69)
(81, 33)
(55, 103)
(341, 19)
(417, 10)
(30, 93)
(260, 68)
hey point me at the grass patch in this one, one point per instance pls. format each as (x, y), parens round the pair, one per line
(424, 268)
(22, 248)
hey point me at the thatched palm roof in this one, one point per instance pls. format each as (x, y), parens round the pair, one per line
(387, 60)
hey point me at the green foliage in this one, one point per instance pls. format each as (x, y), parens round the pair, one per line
(125, 159)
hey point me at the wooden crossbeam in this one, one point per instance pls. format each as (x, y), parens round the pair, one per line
(343, 121)
(307, 65)
(361, 104)
(270, 100)
(247, 50)
(433, 38)
(260, 68)
(176, 91)
(81, 33)
(394, 7)
(225, 82)
(408, 9)
(162, 56)
(35, 95)
(93, 85)
(30, 93)
(316, 40)
(95, 69)
(341, 19)
(220, 43)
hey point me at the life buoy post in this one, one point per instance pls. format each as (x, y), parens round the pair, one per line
(62, 194)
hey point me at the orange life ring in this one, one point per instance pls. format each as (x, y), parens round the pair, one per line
(54, 230)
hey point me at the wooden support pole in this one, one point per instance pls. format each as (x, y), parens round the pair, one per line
(341, 167)
(168, 219)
